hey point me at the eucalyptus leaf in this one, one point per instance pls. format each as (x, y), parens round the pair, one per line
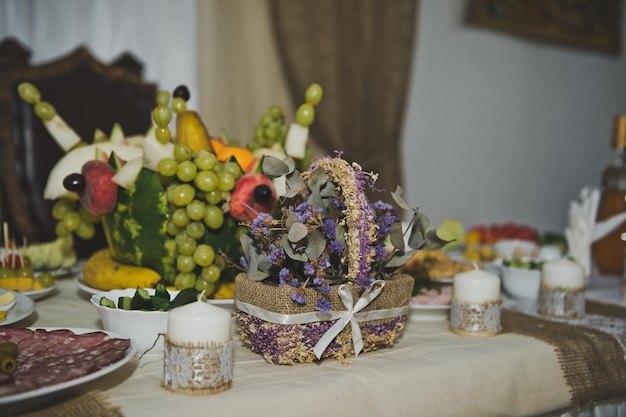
(253, 272)
(316, 200)
(297, 232)
(398, 197)
(274, 167)
(257, 275)
(400, 260)
(317, 179)
(396, 235)
(315, 244)
(292, 251)
(294, 183)
(263, 263)
(291, 219)
(433, 241)
(418, 231)
(329, 190)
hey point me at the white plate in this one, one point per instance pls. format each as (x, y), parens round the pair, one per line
(38, 294)
(429, 312)
(80, 283)
(65, 272)
(23, 308)
(47, 392)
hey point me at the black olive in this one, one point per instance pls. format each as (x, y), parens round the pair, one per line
(182, 91)
(262, 193)
(74, 182)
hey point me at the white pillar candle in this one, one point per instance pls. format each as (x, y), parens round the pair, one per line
(476, 286)
(563, 273)
(198, 322)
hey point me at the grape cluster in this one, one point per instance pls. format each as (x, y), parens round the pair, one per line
(72, 217)
(197, 185)
(270, 129)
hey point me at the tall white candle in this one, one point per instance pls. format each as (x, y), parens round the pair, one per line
(563, 273)
(198, 322)
(476, 286)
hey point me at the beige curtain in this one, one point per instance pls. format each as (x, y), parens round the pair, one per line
(360, 51)
(254, 53)
(240, 74)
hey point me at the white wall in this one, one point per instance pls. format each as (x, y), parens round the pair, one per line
(503, 129)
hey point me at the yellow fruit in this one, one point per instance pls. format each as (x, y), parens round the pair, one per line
(191, 130)
(225, 291)
(103, 273)
(473, 237)
(20, 284)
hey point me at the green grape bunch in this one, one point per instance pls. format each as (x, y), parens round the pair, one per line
(198, 188)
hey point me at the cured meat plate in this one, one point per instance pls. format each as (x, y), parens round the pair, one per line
(47, 395)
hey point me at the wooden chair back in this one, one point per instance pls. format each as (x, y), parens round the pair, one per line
(85, 92)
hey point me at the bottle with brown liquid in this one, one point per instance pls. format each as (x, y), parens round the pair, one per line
(609, 252)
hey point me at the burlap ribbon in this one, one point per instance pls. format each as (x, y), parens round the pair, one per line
(592, 361)
(93, 404)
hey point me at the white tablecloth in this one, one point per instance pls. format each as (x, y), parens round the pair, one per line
(429, 371)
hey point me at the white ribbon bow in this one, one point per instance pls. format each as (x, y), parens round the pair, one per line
(348, 316)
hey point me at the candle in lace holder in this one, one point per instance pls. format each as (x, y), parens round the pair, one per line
(197, 358)
(562, 290)
(476, 303)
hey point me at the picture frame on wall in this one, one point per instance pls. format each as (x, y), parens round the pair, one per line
(588, 24)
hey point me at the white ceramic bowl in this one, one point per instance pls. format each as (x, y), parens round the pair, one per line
(516, 248)
(143, 327)
(520, 283)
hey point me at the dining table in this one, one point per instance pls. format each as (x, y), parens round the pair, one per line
(534, 367)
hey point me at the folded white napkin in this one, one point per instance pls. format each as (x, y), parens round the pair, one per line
(582, 229)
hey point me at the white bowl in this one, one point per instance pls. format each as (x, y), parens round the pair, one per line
(516, 248)
(143, 327)
(520, 283)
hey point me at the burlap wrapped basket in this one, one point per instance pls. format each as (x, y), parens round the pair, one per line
(280, 341)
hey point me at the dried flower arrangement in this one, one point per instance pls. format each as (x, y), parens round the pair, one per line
(325, 233)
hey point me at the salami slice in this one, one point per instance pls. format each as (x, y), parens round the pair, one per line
(52, 357)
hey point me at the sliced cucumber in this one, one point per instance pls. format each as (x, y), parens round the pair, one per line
(124, 303)
(105, 302)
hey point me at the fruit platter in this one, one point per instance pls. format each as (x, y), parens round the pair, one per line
(170, 203)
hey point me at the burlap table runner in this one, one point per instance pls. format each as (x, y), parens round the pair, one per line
(92, 404)
(592, 361)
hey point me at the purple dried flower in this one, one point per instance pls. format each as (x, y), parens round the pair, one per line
(381, 252)
(328, 228)
(298, 296)
(243, 262)
(259, 226)
(277, 256)
(318, 280)
(309, 269)
(325, 289)
(336, 247)
(323, 305)
(282, 276)
(324, 263)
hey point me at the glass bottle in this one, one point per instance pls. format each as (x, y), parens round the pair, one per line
(609, 252)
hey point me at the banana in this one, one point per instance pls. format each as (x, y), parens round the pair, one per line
(101, 272)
